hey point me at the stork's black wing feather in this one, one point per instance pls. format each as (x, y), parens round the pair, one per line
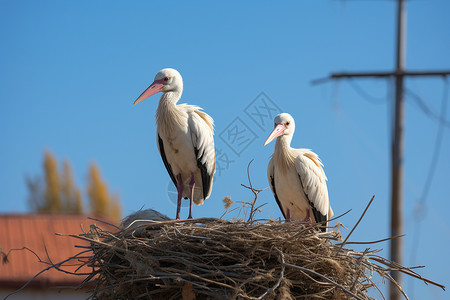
(166, 163)
(318, 217)
(272, 183)
(206, 178)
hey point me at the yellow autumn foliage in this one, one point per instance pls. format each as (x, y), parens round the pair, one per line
(56, 192)
(52, 199)
(101, 202)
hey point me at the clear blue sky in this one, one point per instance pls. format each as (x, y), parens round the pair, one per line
(70, 71)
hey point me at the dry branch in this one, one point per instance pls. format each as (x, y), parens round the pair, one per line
(217, 259)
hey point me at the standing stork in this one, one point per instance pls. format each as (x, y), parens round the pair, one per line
(184, 138)
(296, 177)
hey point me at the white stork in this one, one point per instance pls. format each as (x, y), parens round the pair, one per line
(296, 177)
(184, 138)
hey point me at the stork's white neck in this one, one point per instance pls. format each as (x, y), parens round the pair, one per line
(283, 154)
(167, 102)
(283, 142)
(168, 114)
(171, 97)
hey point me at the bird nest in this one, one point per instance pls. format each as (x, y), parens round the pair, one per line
(216, 259)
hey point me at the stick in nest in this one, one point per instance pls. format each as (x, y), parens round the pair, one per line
(245, 204)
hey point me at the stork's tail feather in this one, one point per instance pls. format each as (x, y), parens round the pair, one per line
(198, 195)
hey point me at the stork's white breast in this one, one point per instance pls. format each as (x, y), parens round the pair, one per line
(290, 193)
(179, 151)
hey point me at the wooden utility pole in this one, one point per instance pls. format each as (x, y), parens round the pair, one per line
(397, 154)
(396, 246)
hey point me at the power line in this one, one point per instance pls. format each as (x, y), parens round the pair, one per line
(420, 207)
(364, 95)
(426, 110)
(437, 145)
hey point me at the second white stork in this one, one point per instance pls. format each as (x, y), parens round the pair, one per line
(296, 177)
(184, 138)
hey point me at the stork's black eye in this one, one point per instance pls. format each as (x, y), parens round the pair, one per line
(287, 123)
(166, 79)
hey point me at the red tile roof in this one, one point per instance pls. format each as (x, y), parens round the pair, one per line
(37, 232)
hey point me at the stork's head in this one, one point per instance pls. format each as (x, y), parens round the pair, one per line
(284, 125)
(167, 80)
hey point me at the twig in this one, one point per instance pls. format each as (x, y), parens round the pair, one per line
(397, 285)
(326, 279)
(360, 218)
(5, 255)
(408, 272)
(375, 242)
(277, 284)
(361, 270)
(44, 270)
(340, 216)
(104, 222)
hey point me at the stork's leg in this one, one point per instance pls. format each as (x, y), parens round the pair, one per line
(191, 200)
(180, 194)
(288, 215)
(307, 219)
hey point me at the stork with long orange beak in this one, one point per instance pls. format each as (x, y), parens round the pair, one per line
(296, 177)
(184, 138)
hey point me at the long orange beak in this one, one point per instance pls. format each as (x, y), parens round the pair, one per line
(277, 131)
(154, 88)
